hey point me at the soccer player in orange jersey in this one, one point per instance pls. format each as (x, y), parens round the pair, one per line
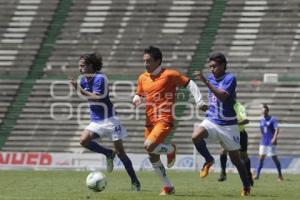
(158, 87)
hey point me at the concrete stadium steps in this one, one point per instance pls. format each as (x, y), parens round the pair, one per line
(36, 130)
(121, 30)
(8, 90)
(260, 37)
(283, 101)
(23, 28)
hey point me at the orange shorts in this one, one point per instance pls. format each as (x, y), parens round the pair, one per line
(158, 133)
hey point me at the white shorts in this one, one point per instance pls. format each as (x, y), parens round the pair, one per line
(110, 127)
(268, 150)
(227, 136)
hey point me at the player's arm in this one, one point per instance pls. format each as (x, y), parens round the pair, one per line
(244, 122)
(274, 139)
(137, 98)
(219, 93)
(195, 91)
(275, 136)
(241, 114)
(183, 81)
(89, 95)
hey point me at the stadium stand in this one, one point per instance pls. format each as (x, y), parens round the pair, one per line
(120, 30)
(23, 27)
(8, 89)
(50, 119)
(260, 37)
(284, 104)
(54, 116)
(250, 33)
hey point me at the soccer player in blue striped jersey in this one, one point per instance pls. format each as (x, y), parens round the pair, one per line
(268, 143)
(220, 123)
(94, 86)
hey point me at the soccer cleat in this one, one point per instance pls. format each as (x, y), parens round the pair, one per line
(245, 192)
(222, 177)
(136, 186)
(167, 191)
(171, 157)
(255, 177)
(110, 163)
(205, 169)
(280, 178)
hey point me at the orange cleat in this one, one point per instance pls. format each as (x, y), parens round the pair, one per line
(167, 191)
(205, 169)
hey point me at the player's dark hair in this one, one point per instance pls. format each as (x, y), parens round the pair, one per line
(265, 106)
(218, 58)
(94, 59)
(154, 52)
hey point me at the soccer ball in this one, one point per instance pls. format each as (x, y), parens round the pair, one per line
(96, 181)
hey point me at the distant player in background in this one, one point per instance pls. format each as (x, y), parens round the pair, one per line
(242, 121)
(220, 123)
(94, 86)
(268, 143)
(158, 86)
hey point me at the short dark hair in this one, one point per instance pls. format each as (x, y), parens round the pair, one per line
(95, 59)
(265, 106)
(154, 52)
(219, 58)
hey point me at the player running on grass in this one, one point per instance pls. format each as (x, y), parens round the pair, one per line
(94, 86)
(158, 86)
(220, 123)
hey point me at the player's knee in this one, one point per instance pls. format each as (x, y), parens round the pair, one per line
(236, 162)
(120, 152)
(148, 146)
(196, 138)
(199, 134)
(83, 142)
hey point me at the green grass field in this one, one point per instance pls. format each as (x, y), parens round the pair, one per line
(70, 185)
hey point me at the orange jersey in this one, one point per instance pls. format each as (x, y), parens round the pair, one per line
(160, 94)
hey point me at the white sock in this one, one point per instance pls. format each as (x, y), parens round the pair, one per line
(161, 172)
(163, 149)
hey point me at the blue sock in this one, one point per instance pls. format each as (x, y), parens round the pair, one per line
(129, 168)
(202, 149)
(258, 168)
(95, 147)
(278, 168)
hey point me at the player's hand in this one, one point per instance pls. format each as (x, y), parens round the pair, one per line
(137, 100)
(73, 82)
(274, 141)
(203, 107)
(199, 76)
